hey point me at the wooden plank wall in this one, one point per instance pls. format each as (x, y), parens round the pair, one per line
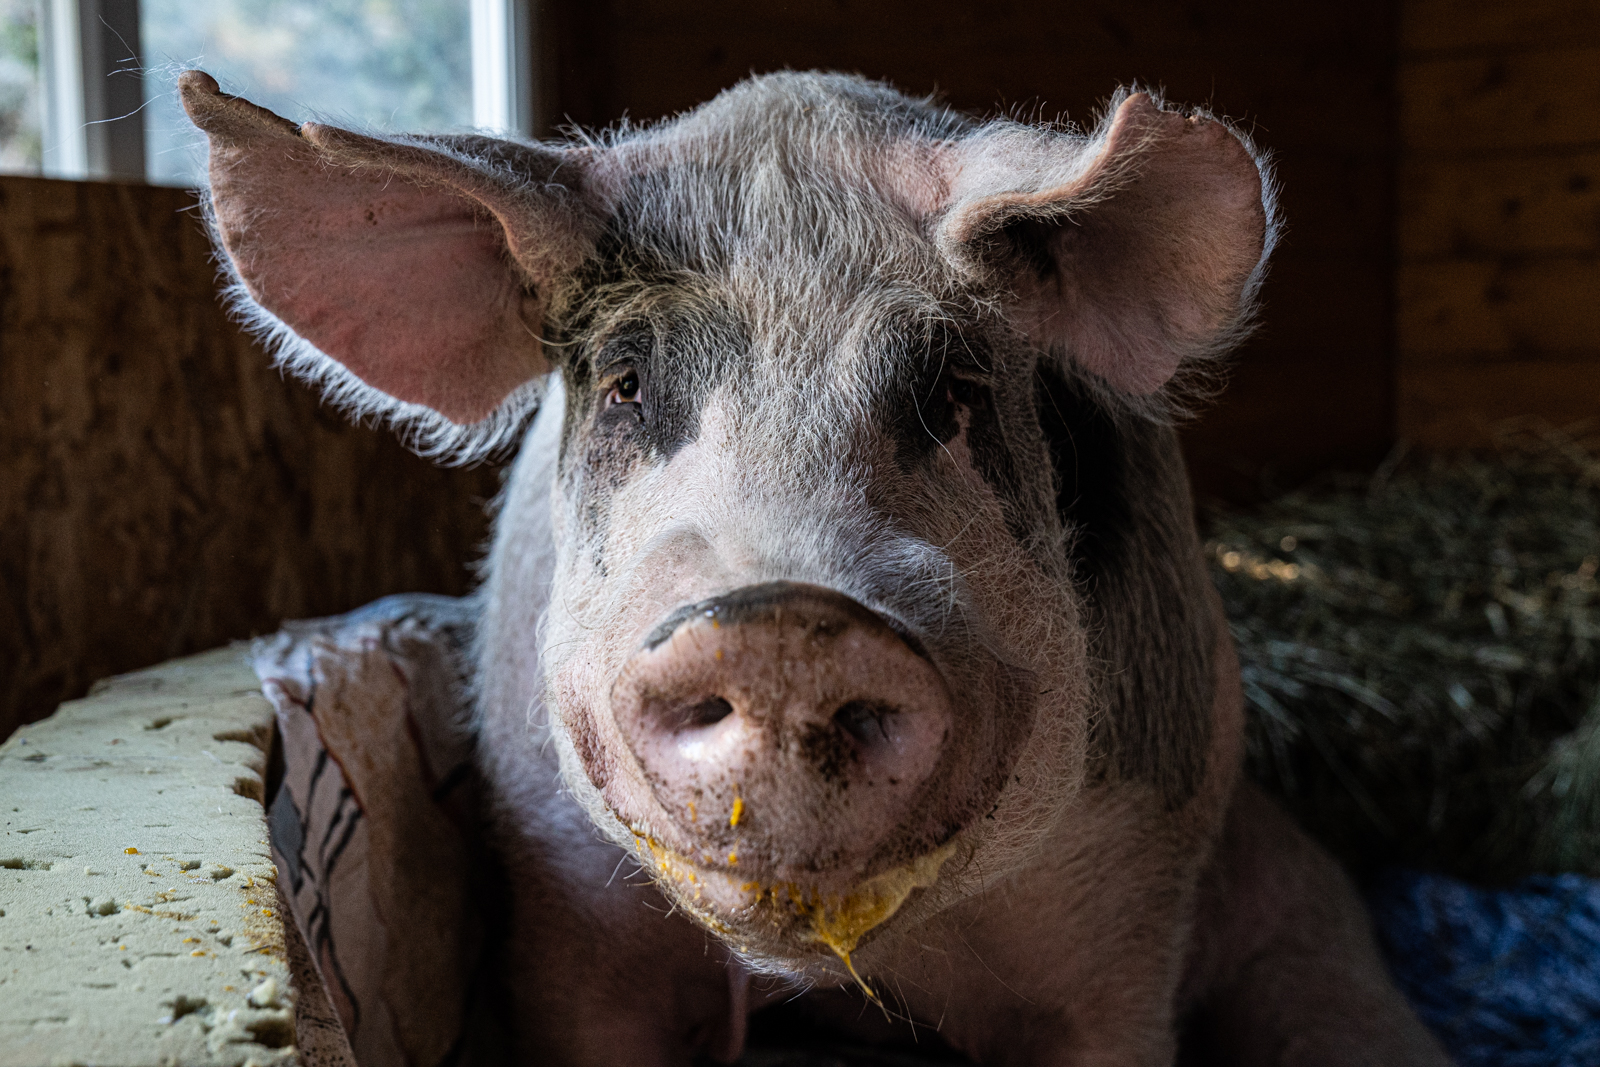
(1314, 82)
(1499, 218)
(162, 489)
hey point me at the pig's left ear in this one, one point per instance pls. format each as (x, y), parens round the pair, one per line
(1129, 252)
(409, 279)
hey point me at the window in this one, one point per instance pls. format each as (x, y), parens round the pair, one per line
(19, 86)
(87, 87)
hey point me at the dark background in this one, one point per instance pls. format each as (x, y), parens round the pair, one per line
(1314, 83)
(162, 491)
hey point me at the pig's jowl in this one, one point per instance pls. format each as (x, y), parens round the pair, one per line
(846, 576)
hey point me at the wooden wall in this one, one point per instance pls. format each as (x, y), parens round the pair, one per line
(1315, 389)
(162, 490)
(1499, 231)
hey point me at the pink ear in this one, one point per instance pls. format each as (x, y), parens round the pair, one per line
(1129, 252)
(396, 260)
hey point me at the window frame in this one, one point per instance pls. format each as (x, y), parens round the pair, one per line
(91, 59)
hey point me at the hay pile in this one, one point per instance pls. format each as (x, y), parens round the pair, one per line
(1421, 658)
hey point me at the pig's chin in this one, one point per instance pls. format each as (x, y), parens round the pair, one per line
(790, 923)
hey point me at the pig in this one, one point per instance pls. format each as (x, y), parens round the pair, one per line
(845, 588)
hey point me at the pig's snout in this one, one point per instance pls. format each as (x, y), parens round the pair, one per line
(784, 729)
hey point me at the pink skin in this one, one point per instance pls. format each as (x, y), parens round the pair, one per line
(1194, 260)
(1049, 966)
(812, 704)
(818, 817)
(443, 325)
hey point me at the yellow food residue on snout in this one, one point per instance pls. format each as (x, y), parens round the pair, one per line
(670, 865)
(837, 922)
(738, 810)
(841, 922)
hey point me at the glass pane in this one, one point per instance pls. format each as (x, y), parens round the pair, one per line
(19, 86)
(402, 65)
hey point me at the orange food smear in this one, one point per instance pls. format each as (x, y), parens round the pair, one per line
(839, 923)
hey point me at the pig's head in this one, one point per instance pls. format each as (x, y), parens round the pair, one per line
(849, 428)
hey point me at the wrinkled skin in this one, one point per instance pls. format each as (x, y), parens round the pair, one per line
(846, 586)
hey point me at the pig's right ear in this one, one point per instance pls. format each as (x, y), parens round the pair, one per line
(409, 279)
(1128, 253)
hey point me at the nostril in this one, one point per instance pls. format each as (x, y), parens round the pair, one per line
(863, 720)
(706, 713)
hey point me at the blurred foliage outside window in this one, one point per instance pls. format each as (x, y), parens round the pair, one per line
(387, 64)
(383, 64)
(20, 104)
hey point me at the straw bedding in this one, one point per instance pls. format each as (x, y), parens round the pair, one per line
(1421, 661)
(1421, 657)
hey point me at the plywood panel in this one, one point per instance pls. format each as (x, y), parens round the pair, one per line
(1459, 309)
(162, 490)
(1501, 103)
(1486, 207)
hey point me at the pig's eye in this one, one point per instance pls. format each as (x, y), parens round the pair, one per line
(967, 394)
(624, 389)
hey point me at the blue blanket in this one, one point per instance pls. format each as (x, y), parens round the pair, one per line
(1506, 978)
